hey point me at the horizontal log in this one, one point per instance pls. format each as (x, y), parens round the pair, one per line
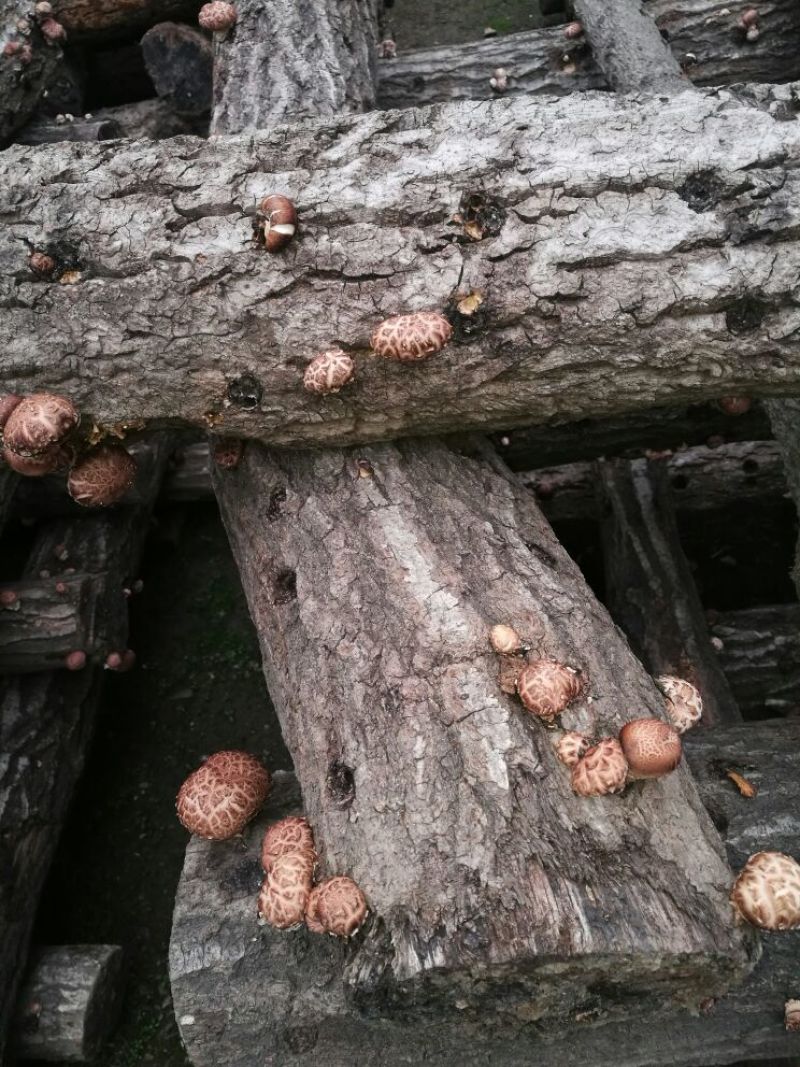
(69, 1003)
(48, 130)
(246, 996)
(549, 343)
(47, 619)
(705, 38)
(151, 118)
(759, 650)
(90, 18)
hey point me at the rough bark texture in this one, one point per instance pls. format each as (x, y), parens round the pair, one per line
(69, 1003)
(24, 74)
(48, 131)
(785, 419)
(44, 623)
(92, 17)
(153, 119)
(760, 655)
(302, 61)
(703, 36)
(179, 61)
(596, 301)
(291, 1007)
(650, 591)
(46, 722)
(436, 792)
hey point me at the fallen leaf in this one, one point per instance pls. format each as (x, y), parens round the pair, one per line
(747, 789)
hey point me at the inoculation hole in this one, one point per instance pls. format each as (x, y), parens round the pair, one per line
(276, 501)
(680, 481)
(340, 784)
(745, 315)
(750, 466)
(701, 191)
(284, 586)
(245, 392)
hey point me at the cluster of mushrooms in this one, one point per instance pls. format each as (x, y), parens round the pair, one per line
(40, 434)
(218, 800)
(766, 892)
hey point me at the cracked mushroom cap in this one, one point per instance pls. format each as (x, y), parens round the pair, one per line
(767, 891)
(572, 747)
(546, 687)
(411, 337)
(292, 834)
(336, 906)
(217, 16)
(285, 891)
(602, 770)
(8, 401)
(505, 639)
(684, 705)
(38, 422)
(652, 747)
(329, 371)
(53, 459)
(218, 799)
(102, 477)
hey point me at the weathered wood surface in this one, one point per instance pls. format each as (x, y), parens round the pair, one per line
(90, 18)
(628, 47)
(180, 61)
(650, 590)
(785, 419)
(760, 655)
(152, 118)
(609, 287)
(246, 996)
(703, 37)
(27, 62)
(69, 1003)
(48, 131)
(48, 619)
(46, 720)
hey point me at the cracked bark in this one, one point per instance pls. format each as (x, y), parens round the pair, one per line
(216, 895)
(619, 279)
(24, 74)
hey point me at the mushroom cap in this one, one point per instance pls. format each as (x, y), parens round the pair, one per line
(546, 687)
(505, 639)
(602, 770)
(572, 747)
(767, 891)
(283, 903)
(38, 422)
(218, 799)
(102, 477)
(8, 401)
(33, 466)
(276, 221)
(411, 337)
(734, 405)
(41, 263)
(652, 747)
(217, 16)
(684, 705)
(329, 371)
(791, 1015)
(292, 834)
(336, 906)
(227, 452)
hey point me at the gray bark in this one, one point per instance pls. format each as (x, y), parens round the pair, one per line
(246, 996)
(760, 655)
(596, 301)
(785, 419)
(180, 61)
(152, 119)
(69, 1003)
(23, 75)
(702, 36)
(47, 720)
(48, 131)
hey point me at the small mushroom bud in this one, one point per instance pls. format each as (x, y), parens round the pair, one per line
(499, 80)
(42, 264)
(102, 477)
(767, 891)
(546, 687)
(336, 906)
(8, 598)
(749, 17)
(684, 705)
(113, 661)
(276, 222)
(38, 422)
(652, 747)
(753, 33)
(217, 16)
(791, 1015)
(411, 337)
(505, 640)
(734, 405)
(52, 31)
(218, 799)
(285, 891)
(602, 770)
(43, 9)
(573, 30)
(572, 747)
(75, 661)
(387, 49)
(227, 452)
(292, 834)
(128, 660)
(329, 371)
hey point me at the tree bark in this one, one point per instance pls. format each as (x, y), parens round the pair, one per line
(69, 1003)
(45, 623)
(554, 342)
(246, 997)
(760, 655)
(47, 720)
(85, 18)
(153, 119)
(24, 72)
(703, 37)
(48, 131)
(785, 419)
(628, 47)
(180, 62)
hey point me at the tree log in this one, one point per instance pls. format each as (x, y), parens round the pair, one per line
(179, 61)
(85, 18)
(48, 619)
(628, 47)
(246, 997)
(760, 655)
(27, 61)
(650, 590)
(153, 119)
(620, 217)
(785, 419)
(704, 38)
(48, 131)
(46, 720)
(69, 1003)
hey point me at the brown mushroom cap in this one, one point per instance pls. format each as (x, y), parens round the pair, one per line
(791, 1015)
(336, 906)
(38, 422)
(32, 466)
(217, 16)
(767, 891)
(505, 639)
(102, 477)
(292, 834)
(652, 747)
(684, 705)
(8, 401)
(283, 904)
(227, 452)
(734, 405)
(546, 687)
(218, 799)
(602, 770)
(411, 337)
(572, 747)
(329, 371)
